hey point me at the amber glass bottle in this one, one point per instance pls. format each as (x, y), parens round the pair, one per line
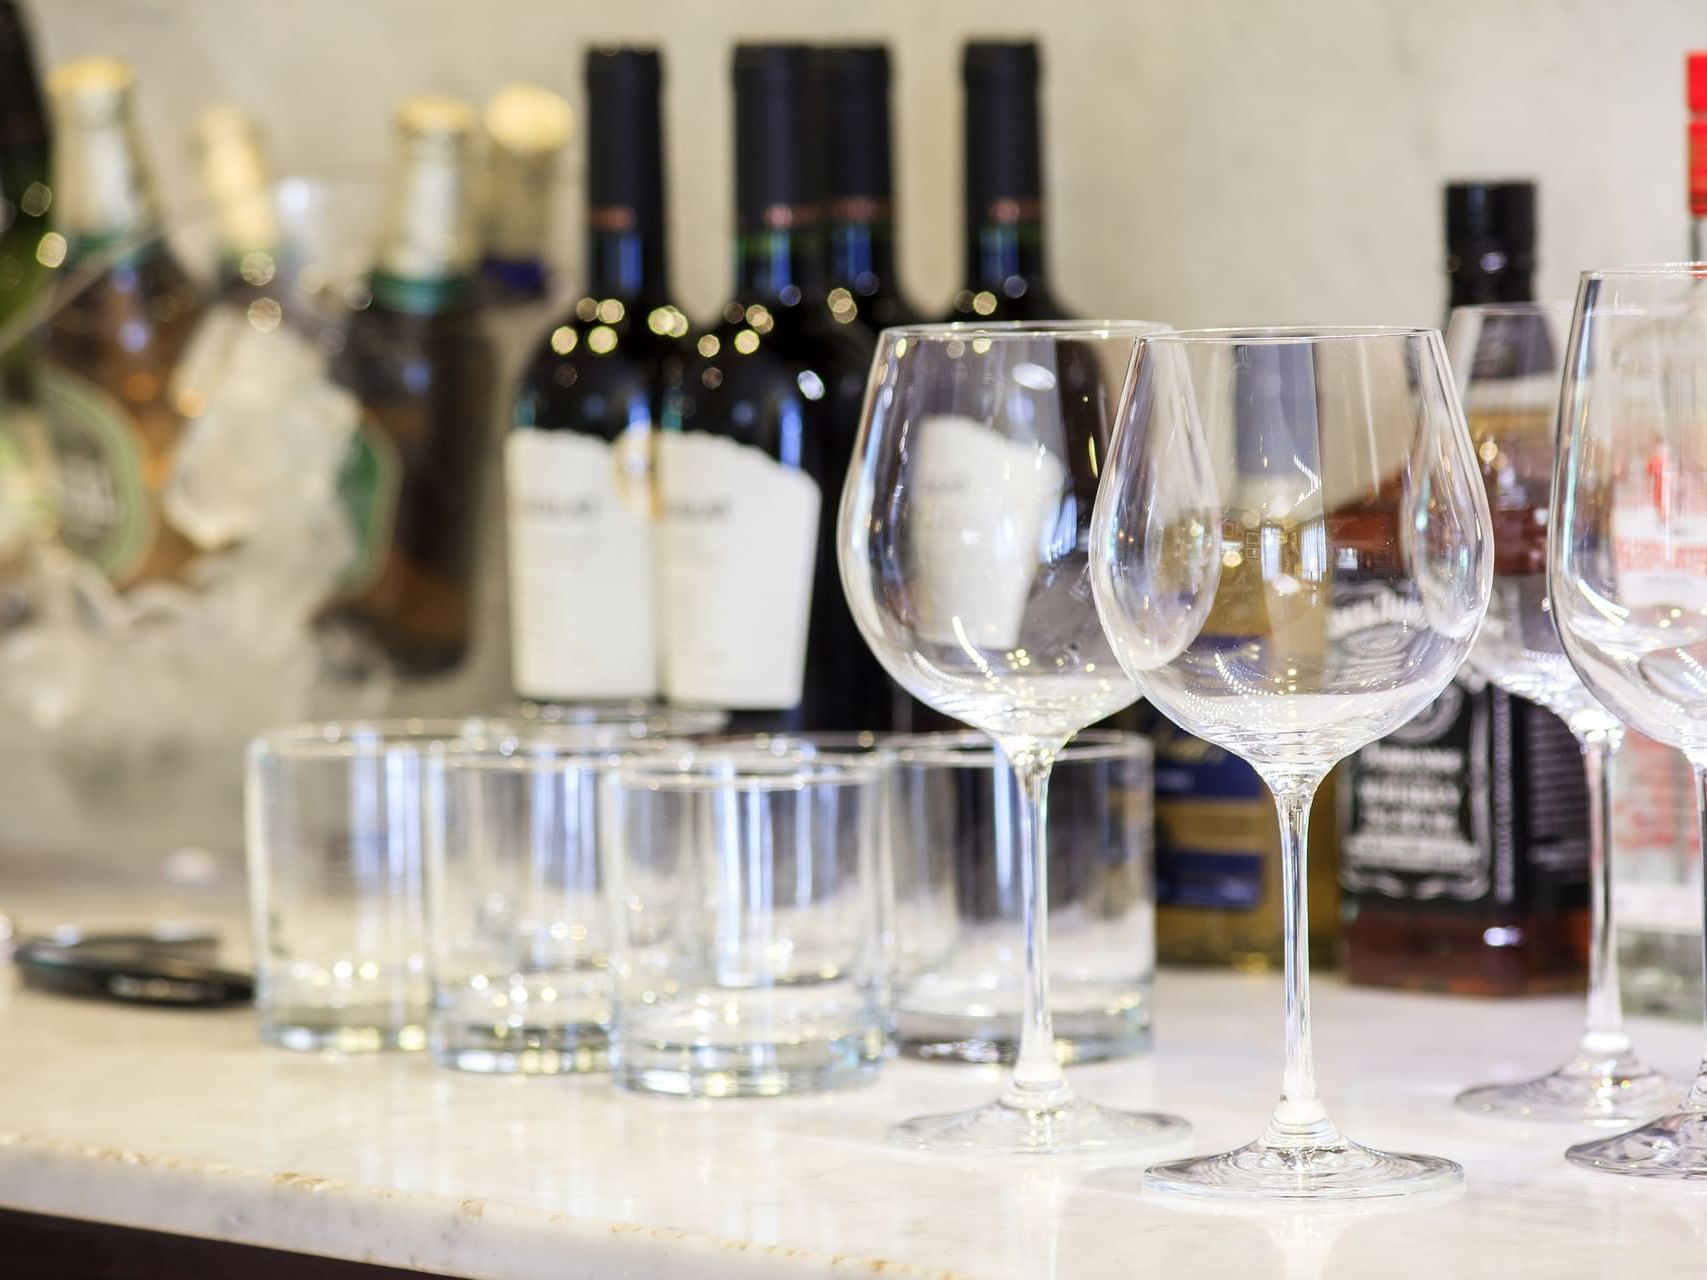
(417, 358)
(111, 349)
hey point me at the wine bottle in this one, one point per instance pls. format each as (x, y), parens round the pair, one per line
(1005, 278)
(864, 284)
(527, 129)
(110, 350)
(1464, 850)
(578, 460)
(757, 441)
(417, 358)
(231, 155)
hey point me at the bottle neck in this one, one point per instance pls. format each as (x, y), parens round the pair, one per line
(862, 246)
(103, 194)
(625, 258)
(1004, 255)
(785, 263)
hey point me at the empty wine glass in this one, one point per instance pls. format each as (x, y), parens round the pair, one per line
(1291, 555)
(1508, 360)
(963, 536)
(1627, 565)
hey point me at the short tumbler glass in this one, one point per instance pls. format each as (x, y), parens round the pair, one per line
(516, 907)
(954, 833)
(748, 954)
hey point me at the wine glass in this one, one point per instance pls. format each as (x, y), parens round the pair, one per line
(1627, 565)
(1508, 361)
(1291, 555)
(963, 537)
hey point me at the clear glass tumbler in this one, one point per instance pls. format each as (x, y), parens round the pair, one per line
(954, 834)
(747, 923)
(516, 908)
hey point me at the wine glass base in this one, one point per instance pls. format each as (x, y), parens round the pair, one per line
(1674, 1147)
(1077, 1128)
(1584, 1089)
(1341, 1170)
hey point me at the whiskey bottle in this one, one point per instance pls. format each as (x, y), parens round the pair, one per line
(110, 351)
(417, 358)
(1464, 851)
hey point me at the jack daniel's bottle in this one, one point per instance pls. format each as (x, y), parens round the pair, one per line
(1464, 852)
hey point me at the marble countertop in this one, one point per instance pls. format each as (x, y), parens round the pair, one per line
(183, 1122)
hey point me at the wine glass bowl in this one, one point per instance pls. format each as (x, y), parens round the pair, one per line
(1329, 473)
(1509, 360)
(1627, 566)
(964, 551)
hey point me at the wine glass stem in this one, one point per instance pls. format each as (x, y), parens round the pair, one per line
(1604, 1035)
(1697, 1099)
(1037, 1083)
(1300, 1120)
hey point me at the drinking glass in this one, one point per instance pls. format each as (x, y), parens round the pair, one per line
(963, 539)
(1627, 565)
(1291, 554)
(1508, 360)
(748, 952)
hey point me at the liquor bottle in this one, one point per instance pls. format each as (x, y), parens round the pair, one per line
(1464, 855)
(417, 358)
(1656, 869)
(26, 469)
(578, 460)
(231, 155)
(864, 285)
(527, 129)
(110, 350)
(1004, 279)
(756, 444)
(1218, 869)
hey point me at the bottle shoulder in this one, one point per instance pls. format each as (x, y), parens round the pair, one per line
(600, 378)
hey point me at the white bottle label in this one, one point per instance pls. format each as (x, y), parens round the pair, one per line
(581, 589)
(739, 541)
(984, 505)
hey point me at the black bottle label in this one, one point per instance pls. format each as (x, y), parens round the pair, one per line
(1480, 801)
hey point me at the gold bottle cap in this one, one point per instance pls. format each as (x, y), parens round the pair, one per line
(231, 153)
(102, 189)
(429, 231)
(527, 128)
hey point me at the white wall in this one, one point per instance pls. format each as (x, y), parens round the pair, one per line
(1210, 161)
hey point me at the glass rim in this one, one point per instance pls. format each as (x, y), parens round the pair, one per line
(951, 330)
(383, 734)
(1287, 334)
(968, 747)
(547, 755)
(1677, 269)
(696, 770)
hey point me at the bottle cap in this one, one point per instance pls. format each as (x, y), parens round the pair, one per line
(228, 147)
(1490, 227)
(1004, 170)
(1695, 76)
(625, 138)
(102, 190)
(92, 91)
(429, 233)
(857, 128)
(527, 128)
(779, 155)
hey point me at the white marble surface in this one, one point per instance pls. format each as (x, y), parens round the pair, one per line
(183, 1122)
